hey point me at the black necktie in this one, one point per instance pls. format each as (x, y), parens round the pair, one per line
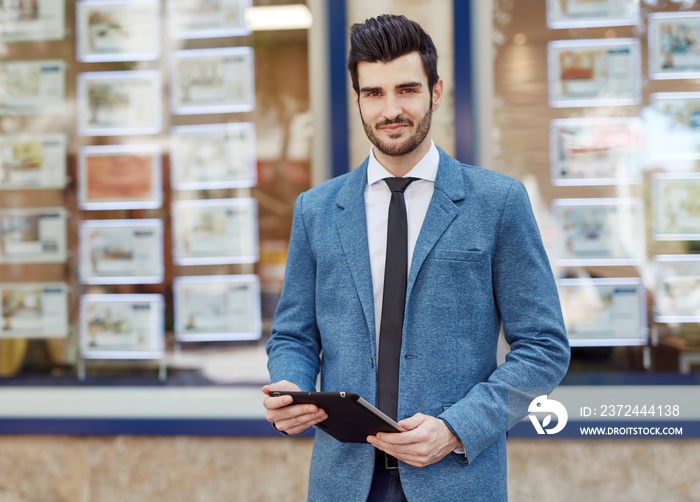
(394, 298)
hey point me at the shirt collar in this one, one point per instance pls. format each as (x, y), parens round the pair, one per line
(425, 169)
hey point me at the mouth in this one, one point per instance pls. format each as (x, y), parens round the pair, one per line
(393, 128)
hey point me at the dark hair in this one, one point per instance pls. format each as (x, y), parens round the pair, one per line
(387, 37)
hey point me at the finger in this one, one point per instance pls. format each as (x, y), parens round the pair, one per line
(273, 403)
(293, 412)
(281, 385)
(399, 438)
(301, 423)
(411, 423)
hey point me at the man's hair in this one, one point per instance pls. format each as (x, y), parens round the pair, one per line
(387, 37)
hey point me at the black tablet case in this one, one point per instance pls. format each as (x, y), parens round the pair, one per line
(350, 418)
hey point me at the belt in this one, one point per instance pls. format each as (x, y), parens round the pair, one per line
(385, 461)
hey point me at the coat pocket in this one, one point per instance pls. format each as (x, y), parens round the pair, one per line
(455, 255)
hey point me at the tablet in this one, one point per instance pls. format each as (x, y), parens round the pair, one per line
(350, 418)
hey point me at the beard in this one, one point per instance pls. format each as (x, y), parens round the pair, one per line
(404, 147)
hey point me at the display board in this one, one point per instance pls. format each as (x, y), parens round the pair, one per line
(597, 110)
(130, 175)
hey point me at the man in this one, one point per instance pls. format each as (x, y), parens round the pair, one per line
(475, 263)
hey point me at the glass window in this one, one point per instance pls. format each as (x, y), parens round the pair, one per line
(595, 107)
(151, 153)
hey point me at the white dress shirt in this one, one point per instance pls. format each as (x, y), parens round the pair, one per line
(377, 197)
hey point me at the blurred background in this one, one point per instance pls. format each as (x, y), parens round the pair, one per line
(150, 155)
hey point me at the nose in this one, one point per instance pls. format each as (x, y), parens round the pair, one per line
(392, 107)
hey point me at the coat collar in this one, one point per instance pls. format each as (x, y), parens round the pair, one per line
(449, 181)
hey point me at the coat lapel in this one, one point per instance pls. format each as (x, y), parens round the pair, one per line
(449, 188)
(351, 222)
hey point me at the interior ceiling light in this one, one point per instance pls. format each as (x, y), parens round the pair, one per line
(278, 17)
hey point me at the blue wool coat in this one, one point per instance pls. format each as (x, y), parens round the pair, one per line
(478, 264)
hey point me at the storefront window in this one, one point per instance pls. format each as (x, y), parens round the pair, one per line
(151, 155)
(596, 108)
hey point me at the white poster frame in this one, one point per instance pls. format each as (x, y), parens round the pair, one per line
(221, 239)
(664, 54)
(155, 198)
(663, 308)
(601, 89)
(208, 284)
(673, 134)
(623, 245)
(591, 289)
(50, 23)
(149, 251)
(182, 135)
(55, 326)
(213, 98)
(665, 225)
(629, 170)
(628, 14)
(209, 24)
(148, 48)
(140, 115)
(48, 235)
(152, 348)
(48, 89)
(46, 172)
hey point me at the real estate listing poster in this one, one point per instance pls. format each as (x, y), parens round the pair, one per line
(33, 235)
(34, 310)
(604, 312)
(213, 156)
(603, 151)
(114, 326)
(33, 161)
(121, 251)
(32, 87)
(118, 30)
(674, 45)
(591, 13)
(213, 81)
(120, 177)
(207, 19)
(32, 20)
(676, 206)
(677, 291)
(601, 72)
(115, 103)
(217, 308)
(215, 231)
(599, 231)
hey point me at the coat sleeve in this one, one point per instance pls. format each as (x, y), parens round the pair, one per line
(294, 345)
(526, 298)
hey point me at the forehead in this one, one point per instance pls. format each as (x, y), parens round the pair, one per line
(408, 67)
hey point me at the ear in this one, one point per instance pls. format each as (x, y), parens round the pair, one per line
(357, 100)
(437, 94)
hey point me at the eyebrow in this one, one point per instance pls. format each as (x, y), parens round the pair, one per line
(409, 84)
(405, 85)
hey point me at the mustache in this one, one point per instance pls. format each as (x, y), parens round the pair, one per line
(398, 120)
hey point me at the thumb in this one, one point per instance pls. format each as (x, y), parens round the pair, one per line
(281, 385)
(411, 423)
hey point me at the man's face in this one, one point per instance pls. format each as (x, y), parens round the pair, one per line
(395, 103)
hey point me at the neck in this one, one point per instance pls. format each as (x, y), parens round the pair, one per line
(400, 165)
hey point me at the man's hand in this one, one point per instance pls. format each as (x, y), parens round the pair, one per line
(286, 417)
(426, 440)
